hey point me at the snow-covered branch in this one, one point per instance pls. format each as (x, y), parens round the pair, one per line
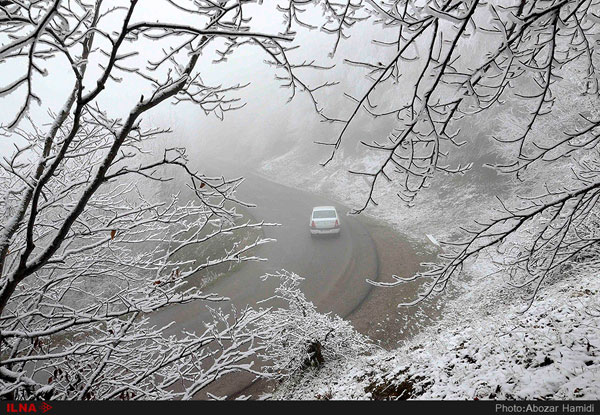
(90, 250)
(295, 336)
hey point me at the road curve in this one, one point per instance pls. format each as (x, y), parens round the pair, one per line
(334, 268)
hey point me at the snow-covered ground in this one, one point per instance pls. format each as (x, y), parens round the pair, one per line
(484, 346)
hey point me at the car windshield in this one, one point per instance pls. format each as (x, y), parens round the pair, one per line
(324, 214)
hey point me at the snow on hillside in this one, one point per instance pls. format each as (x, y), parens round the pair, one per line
(437, 211)
(483, 347)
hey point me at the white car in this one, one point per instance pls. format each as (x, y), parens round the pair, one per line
(324, 220)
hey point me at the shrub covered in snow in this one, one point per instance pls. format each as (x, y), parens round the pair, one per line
(295, 336)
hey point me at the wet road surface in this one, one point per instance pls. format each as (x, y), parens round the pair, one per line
(334, 267)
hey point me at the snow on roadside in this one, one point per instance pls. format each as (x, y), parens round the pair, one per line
(483, 348)
(437, 212)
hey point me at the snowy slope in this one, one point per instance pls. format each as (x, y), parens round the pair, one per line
(483, 348)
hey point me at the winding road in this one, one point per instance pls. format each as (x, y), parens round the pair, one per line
(334, 268)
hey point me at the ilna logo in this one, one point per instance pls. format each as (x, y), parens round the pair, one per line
(14, 408)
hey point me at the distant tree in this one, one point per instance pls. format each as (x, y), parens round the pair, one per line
(87, 254)
(452, 59)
